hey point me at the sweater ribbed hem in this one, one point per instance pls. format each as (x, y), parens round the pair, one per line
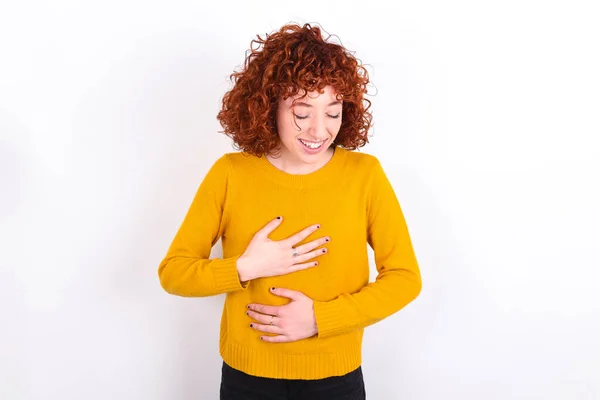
(276, 365)
(226, 275)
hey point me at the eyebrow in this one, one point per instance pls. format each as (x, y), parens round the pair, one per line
(301, 103)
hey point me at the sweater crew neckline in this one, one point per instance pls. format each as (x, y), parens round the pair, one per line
(301, 181)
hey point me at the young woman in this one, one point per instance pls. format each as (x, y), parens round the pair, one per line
(295, 209)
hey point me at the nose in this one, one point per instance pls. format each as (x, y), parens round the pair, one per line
(318, 128)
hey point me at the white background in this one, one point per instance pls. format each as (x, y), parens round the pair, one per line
(486, 121)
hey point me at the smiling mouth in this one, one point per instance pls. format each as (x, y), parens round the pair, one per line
(312, 145)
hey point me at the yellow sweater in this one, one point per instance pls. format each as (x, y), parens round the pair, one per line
(353, 201)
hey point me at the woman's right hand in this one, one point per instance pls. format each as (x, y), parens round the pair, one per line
(265, 257)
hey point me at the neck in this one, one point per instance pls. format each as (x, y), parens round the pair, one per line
(293, 166)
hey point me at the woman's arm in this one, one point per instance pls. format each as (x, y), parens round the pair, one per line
(399, 279)
(186, 269)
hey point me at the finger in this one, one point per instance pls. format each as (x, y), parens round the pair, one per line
(262, 318)
(300, 267)
(310, 255)
(267, 328)
(276, 339)
(300, 236)
(269, 310)
(290, 294)
(305, 248)
(270, 227)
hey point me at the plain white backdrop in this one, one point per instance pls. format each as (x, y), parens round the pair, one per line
(486, 121)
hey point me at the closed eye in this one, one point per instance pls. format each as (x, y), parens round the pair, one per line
(306, 116)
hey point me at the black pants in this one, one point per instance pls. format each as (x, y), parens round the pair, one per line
(237, 385)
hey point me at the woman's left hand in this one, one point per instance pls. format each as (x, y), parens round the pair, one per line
(291, 322)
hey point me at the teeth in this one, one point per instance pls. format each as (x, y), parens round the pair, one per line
(312, 145)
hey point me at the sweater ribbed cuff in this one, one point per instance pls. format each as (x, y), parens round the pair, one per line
(226, 275)
(330, 318)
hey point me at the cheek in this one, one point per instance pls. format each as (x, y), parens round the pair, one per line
(286, 128)
(335, 125)
(290, 132)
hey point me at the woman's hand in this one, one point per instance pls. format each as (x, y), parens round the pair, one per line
(265, 257)
(291, 322)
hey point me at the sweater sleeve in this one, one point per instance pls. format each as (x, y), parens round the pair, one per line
(186, 269)
(398, 281)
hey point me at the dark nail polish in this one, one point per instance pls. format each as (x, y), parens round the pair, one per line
(327, 239)
(247, 313)
(278, 217)
(251, 326)
(248, 306)
(324, 250)
(272, 288)
(318, 226)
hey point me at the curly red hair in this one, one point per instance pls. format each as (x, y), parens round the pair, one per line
(295, 59)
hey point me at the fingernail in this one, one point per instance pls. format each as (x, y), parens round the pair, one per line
(278, 217)
(247, 313)
(261, 338)
(248, 306)
(250, 325)
(327, 239)
(318, 226)
(324, 250)
(316, 263)
(272, 289)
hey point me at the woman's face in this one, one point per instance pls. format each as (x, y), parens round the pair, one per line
(308, 128)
